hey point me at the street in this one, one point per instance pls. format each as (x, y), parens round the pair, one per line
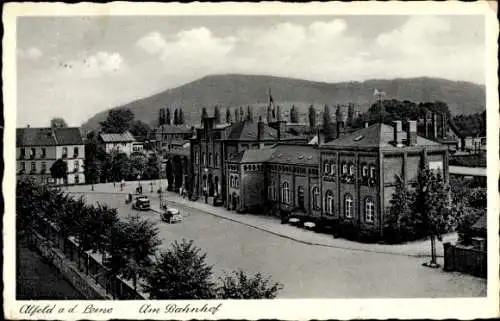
(306, 271)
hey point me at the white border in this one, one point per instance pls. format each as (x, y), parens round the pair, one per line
(279, 309)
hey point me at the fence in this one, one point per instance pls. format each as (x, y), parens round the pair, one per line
(465, 259)
(87, 262)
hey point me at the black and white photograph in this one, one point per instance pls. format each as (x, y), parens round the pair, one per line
(177, 161)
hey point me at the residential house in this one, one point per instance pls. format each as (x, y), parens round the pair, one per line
(38, 148)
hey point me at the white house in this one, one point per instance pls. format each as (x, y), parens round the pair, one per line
(120, 143)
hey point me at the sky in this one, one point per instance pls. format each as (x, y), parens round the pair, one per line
(74, 67)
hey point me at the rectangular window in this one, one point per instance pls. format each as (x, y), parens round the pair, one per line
(76, 166)
(77, 179)
(209, 159)
(44, 153)
(197, 158)
(23, 167)
(75, 152)
(204, 159)
(65, 152)
(33, 167)
(44, 167)
(33, 153)
(23, 153)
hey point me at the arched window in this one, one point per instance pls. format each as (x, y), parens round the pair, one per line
(348, 205)
(344, 168)
(327, 168)
(197, 157)
(329, 202)
(372, 171)
(332, 170)
(369, 209)
(231, 181)
(351, 169)
(315, 196)
(270, 192)
(364, 170)
(209, 159)
(300, 197)
(217, 159)
(285, 193)
(204, 159)
(237, 181)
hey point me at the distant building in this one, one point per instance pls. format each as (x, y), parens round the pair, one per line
(38, 148)
(120, 143)
(214, 143)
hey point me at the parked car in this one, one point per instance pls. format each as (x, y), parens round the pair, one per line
(141, 203)
(172, 215)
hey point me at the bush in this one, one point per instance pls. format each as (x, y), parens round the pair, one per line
(348, 230)
(240, 286)
(468, 160)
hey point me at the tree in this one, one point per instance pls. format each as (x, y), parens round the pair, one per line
(181, 116)
(217, 114)
(239, 285)
(140, 130)
(228, 116)
(312, 118)
(328, 127)
(249, 113)
(401, 223)
(181, 273)
(137, 165)
(91, 156)
(236, 115)
(350, 114)
(167, 117)
(161, 117)
(294, 115)
(433, 204)
(203, 114)
(151, 171)
(59, 170)
(176, 117)
(133, 243)
(58, 123)
(118, 121)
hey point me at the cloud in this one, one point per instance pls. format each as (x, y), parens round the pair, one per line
(32, 53)
(197, 45)
(416, 36)
(100, 64)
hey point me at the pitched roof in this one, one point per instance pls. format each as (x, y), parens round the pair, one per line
(295, 154)
(47, 137)
(257, 155)
(114, 138)
(247, 130)
(69, 136)
(376, 136)
(173, 129)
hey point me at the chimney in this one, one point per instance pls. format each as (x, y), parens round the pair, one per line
(260, 129)
(434, 126)
(411, 134)
(398, 133)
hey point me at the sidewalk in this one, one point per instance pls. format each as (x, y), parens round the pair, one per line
(273, 225)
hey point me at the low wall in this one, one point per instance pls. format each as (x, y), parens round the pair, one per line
(81, 269)
(78, 280)
(465, 259)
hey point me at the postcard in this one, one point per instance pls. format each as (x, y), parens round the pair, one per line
(251, 160)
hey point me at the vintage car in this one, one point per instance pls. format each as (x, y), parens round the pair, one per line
(141, 203)
(172, 215)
